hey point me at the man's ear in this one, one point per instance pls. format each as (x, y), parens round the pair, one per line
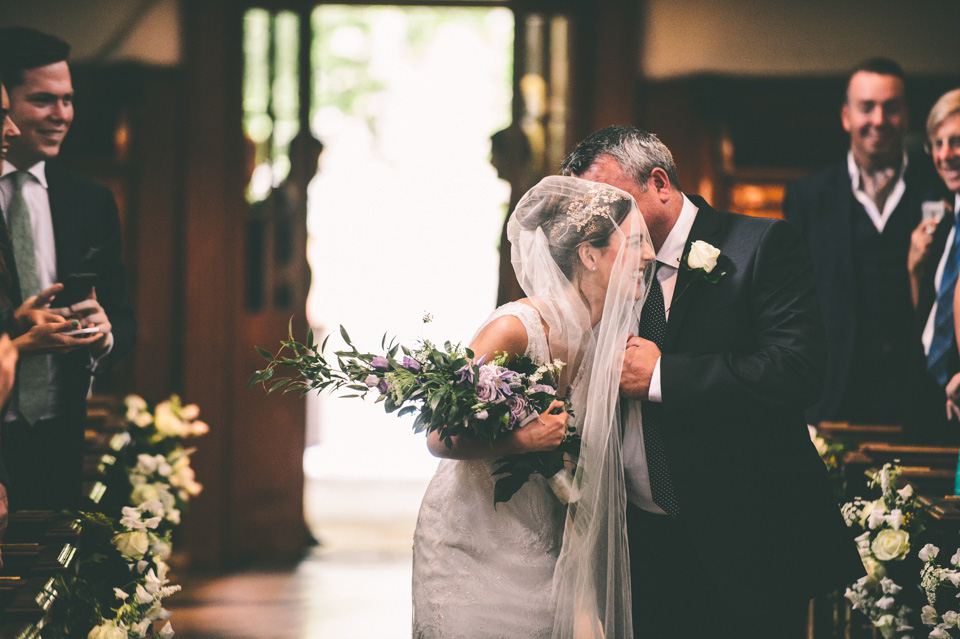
(659, 182)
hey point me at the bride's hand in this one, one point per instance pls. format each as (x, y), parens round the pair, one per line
(545, 432)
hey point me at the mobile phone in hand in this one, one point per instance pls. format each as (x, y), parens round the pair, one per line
(76, 287)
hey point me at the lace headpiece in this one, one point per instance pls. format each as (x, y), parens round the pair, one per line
(586, 210)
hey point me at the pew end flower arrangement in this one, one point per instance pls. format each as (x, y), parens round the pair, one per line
(448, 390)
(891, 528)
(941, 585)
(123, 572)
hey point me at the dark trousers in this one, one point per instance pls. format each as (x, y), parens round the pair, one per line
(675, 597)
(44, 463)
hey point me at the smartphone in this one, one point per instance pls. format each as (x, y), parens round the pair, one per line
(82, 332)
(76, 287)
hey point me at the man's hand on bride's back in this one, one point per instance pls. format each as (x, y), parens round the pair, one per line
(545, 432)
(639, 361)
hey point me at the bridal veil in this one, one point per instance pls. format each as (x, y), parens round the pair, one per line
(591, 586)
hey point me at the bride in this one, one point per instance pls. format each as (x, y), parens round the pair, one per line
(533, 567)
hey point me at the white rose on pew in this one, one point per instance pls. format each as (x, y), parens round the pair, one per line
(891, 544)
(133, 544)
(108, 630)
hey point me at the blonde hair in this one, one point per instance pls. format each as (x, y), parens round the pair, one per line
(947, 105)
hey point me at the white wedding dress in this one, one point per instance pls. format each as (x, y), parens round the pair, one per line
(481, 572)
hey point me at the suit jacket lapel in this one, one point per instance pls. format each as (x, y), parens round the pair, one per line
(847, 208)
(706, 227)
(66, 222)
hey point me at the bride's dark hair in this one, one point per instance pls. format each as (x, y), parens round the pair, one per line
(565, 232)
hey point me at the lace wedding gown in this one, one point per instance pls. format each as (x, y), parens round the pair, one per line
(481, 572)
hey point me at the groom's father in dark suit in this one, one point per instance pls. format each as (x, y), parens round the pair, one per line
(856, 217)
(731, 524)
(59, 224)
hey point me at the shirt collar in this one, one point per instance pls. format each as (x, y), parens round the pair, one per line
(672, 249)
(854, 170)
(38, 170)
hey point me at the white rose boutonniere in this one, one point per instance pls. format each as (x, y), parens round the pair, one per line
(703, 257)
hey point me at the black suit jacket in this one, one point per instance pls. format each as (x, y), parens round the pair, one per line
(87, 235)
(741, 360)
(823, 208)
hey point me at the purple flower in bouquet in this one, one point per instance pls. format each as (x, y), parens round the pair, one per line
(542, 388)
(465, 373)
(520, 408)
(493, 383)
(383, 386)
(411, 364)
(380, 363)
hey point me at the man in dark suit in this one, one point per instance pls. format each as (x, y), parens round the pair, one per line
(857, 216)
(731, 524)
(59, 224)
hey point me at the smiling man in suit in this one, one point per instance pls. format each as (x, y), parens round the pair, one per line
(60, 224)
(857, 216)
(731, 524)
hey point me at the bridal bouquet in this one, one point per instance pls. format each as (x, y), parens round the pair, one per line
(891, 525)
(449, 391)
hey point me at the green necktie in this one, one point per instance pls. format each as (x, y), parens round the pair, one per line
(33, 378)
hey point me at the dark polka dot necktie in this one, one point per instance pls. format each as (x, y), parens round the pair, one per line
(653, 326)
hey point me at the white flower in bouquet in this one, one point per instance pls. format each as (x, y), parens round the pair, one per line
(877, 514)
(109, 629)
(183, 477)
(143, 492)
(167, 631)
(120, 594)
(895, 518)
(135, 405)
(190, 412)
(167, 422)
(889, 586)
(120, 440)
(197, 428)
(906, 492)
(940, 632)
(885, 603)
(928, 553)
(133, 544)
(891, 544)
(140, 629)
(950, 617)
(928, 615)
(162, 550)
(955, 560)
(142, 596)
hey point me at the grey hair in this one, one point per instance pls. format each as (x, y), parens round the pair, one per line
(637, 152)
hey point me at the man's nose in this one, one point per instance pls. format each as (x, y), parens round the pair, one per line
(60, 110)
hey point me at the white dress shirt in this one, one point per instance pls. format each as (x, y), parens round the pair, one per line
(927, 336)
(879, 218)
(634, 454)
